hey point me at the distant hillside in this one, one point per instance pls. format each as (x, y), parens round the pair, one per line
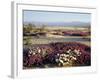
(59, 24)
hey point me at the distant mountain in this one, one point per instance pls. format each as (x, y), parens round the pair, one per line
(69, 24)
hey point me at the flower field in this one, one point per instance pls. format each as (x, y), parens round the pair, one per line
(59, 54)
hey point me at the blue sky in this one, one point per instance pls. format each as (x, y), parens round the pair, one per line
(44, 16)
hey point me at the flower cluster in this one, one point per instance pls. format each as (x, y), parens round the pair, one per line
(57, 54)
(67, 58)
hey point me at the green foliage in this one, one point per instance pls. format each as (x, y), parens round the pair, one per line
(27, 40)
(28, 28)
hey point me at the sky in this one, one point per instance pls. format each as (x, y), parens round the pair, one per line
(48, 16)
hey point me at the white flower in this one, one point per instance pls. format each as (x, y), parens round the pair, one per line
(69, 51)
(74, 58)
(34, 53)
(61, 61)
(57, 60)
